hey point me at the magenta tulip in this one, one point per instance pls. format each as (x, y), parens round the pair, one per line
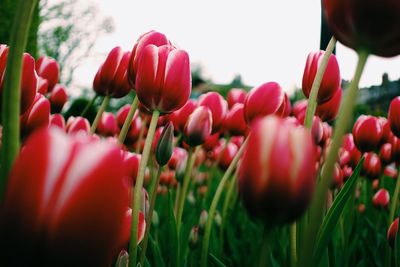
(234, 122)
(58, 97)
(392, 232)
(381, 199)
(236, 95)
(367, 133)
(218, 107)
(198, 126)
(328, 111)
(394, 116)
(47, 68)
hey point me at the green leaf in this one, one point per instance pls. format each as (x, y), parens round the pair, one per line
(172, 235)
(333, 215)
(216, 261)
(156, 253)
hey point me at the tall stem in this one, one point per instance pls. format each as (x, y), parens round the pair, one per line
(103, 106)
(293, 244)
(89, 104)
(127, 123)
(12, 93)
(395, 199)
(150, 216)
(214, 204)
(141, 134)
(138, 188)
(312, 100)
(318, 202)
(186, 181)
(265, 258)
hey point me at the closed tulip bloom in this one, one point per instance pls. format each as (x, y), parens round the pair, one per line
(111, 78)
(180, 116)
(225, 154)
(69, 191)
(211, 142)
(330, 81)
(58, 97)
(387, 133)
(394, 116)
(277, 170)
(392, 232)
(263, 100)
(381, 199)
(179, 156)
(299, 109)
(234, 122)
(365, 25)
(125, 234)
(328, 111)
(198, 126)
(151, 37)
(236, 95)
(385, 153)
(163, 79)
(47, 68)
(286, 107)
(367, 133)
(76, 124)
(390, 171)
(372, 166)
(165, 145)
(37, 116)
(108, 125)
(218, 107)
(337, 178)
(57, 120)
(43, 86)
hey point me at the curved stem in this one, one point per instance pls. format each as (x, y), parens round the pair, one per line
(150, 216)
(312, 100)
(141, 134)
(318, 202)
(103, 106)
(12, 93)
(138, 189)
(395, 199)
(88, 105)
(128, 120)
(214, 203)
(186, 181)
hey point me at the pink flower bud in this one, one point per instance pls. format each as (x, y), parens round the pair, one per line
(43, 86)
(299, 109)
(198, 126)
(234, 122)
(367, 133)
(328, 111)
(392, 232)
(37, 116)
(57, 120)
(236, 95)
(58, 97)
(125, 234)
(76, 124)
(225, 154)
(381, 199)
(178, 157)
(285, 109)
(385, 153)
(218, 107)
(263, 100)
(180, 116)
(69, 190)
(390, 171)
(47, 68)
(163, 79)
(372, 166)
(330, 81)
(277, 170)
(394, 116)
(107, 125)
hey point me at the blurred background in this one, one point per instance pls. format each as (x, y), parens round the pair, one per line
(231, 43)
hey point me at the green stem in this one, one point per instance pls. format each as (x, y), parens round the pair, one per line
(12, 92)
(312, 100)
(265, 258)
(103, 106)
(214, 203)
(293, 244)
(177, 195)
(395, 199)
(141, 134)
(186, 181)
(128, 120)
(150, 216)
(89, 104)
(318, 202)
(138, 188)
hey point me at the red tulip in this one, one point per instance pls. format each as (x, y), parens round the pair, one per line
(328, 111)
(236, 95)
(29, 78)
(47, 68)
(198, 126)
(355, 154)
(285, 109)
(43, 86)
(180, 116)
(125, 234)
(337, 178)
(392, 232)
(381, 199)
(58, 97)
(372, 166)
(218, 107)
(263, 100)
(76, 124)
(331, 80)
(367, 133)
(111, 78)
(299, 109)
(277, 173)
(390, 171)
(37, 116)
(163, 79)
(385, 153)
(69, 191)
(151, 37)
(211, 142)
(394, 116)
(365, 25)
(131, 162)
(225, 154)
(387, 133)
(57, 120)
(108, 125)
(179, 156)
(234, 122)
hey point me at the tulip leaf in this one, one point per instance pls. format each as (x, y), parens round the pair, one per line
(216, 261)
(158, 260)
(332, 217)
(172, 234)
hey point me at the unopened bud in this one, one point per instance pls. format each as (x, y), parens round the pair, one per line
(194, 237)
(165, 145)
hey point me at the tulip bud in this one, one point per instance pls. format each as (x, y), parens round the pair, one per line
(163, 79)
(236, 95)
(337, 179)
(43, 86)
(203, 221)
(299, 109)
(381, 199)
(57, 120)
(372, 166)
(165, 145)
(225, 154)
(394, 116)
(47, 68)
(234, 122)
(385, 153)
(361, 208)
(58, 97)
(37, 116)
(180, 116)
(367, 133)
(108, 125)
(76, 124)
(125, 232)
(330, 81)
(392, 232)
(263, 100)
(194, 237)
(328, 111)
(218, 107)
(277, 169)
(390, 171)
(198, 126)
(211, 142)
(285, 108)
(123, 259)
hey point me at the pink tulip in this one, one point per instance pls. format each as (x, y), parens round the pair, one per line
(47, 68)
(367, 133)
(37, 116)
(180, 116)
(57, 120)
(58, 98)
(76, 124)
(392, 232)
(385, 153)
(236, 95)
(381, 199)
(163, 79)
(218, 107)
(234, 122)
(372, 166)
(277, 173)
(198, 126)
(107, 125)
(394, 116)
(328, 111)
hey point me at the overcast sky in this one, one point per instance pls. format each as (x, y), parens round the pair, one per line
(260, 40)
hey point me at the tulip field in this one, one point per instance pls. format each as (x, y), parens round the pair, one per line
(246, 178)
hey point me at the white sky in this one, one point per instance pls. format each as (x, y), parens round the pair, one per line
(260, 40)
